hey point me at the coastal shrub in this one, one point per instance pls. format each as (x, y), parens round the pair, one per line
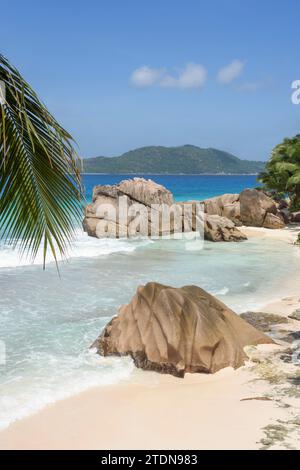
(282, 173)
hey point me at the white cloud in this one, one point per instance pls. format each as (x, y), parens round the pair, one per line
(145, 76)
(230, 72)
(191, 76)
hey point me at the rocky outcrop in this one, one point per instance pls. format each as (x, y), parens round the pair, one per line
(274, 221)
(124, 209)
(217, 229)
(178, 330)
(111, 213)
(136, 207)
(214, 227)
(263, 321)
(146, 192)
(227, 205)
(252, 207)
(259, 210)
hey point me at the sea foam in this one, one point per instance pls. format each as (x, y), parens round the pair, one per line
(82, 246)
(73, 375)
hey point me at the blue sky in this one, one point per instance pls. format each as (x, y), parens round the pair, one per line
(124, 74)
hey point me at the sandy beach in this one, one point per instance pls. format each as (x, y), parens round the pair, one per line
(288, 234)
(198, 412)
(239, 409)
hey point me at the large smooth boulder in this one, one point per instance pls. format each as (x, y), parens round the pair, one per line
(136, 192)
(217, 229)
(259, 210)
(274, 221)
(226, 205)
(146, 191)
(214, 227)
(178, 330)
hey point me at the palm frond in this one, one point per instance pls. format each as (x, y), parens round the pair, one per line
(286, 166)
(294, 180)
(40, 186)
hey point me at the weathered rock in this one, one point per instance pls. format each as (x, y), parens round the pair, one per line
(258, 209)
(136, 193)
(218, 229)
(102, 222)
(177, 330)
(227, 205)
(295, 315)
(146, 192)
(295, 217)
(273, 221)
(252, 207)
(135, 206)
(214, 227)
(263, 321)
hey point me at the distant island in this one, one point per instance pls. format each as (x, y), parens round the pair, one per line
(186, 159)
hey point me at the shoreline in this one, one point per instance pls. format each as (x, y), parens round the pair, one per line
(198, 408)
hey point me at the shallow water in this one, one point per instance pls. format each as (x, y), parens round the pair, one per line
(48, 323)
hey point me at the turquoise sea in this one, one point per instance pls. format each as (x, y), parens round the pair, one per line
(182, 186)
(47, 322)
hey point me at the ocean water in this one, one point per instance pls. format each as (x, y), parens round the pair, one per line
(184, 187)
(47, 322)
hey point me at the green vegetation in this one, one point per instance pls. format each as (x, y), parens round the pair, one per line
(186, 159)
(39, 177)
(282, 174)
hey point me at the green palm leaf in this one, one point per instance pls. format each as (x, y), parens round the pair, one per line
(294, 180)
(40, 184)
(283, 171)
(285, 166)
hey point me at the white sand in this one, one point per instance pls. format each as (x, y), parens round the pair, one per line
(288, 234)
(198, 412)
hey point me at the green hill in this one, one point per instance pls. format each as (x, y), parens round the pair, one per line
(187, 159)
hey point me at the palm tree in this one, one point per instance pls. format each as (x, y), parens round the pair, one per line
(282, 173)
(40, 188)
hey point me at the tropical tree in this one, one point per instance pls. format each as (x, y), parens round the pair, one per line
(282, 173)
(40, 189)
